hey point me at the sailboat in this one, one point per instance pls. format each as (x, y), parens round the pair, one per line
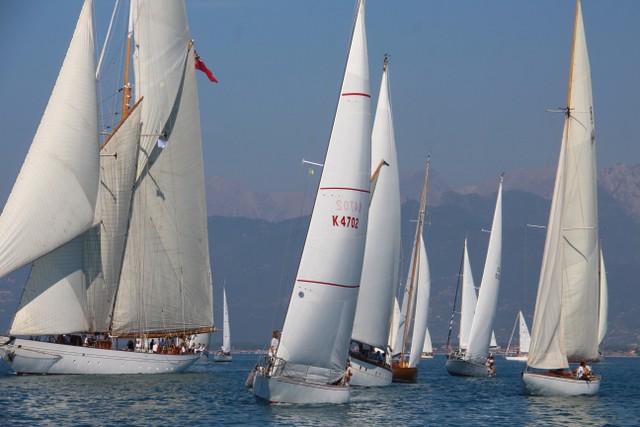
(523, 341)
(224, 354)
(115, 232)
(468, 302)
(472, 361)
(566, 317)
(427, 348)
(416, 293)
(310, 364)
(368, 349)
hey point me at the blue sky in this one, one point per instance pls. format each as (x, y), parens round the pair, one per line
(471, 80)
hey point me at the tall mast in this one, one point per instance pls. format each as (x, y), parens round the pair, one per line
(126, 89)
(414, 263)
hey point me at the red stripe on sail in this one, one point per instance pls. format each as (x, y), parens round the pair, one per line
(344, 188)
(356, 94)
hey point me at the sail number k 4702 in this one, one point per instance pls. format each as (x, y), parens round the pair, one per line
(345, 221)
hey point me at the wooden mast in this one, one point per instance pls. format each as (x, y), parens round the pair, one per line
(414, 264)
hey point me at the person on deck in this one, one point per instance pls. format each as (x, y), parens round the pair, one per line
(275, 341)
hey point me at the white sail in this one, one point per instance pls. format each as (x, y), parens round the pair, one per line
(428, 346)
(423, 290)
(565, 323)
(415, 301)
(133, 259)
(226, 332)
(483, 319)
(604, 302)
(55, 195)
(382, 248)
(106, 242)
(394, 330)
(525, 338)
(469, 299)
(319, 321)
(165, 283)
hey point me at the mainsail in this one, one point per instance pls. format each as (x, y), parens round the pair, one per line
(382, 250)
(319, 321)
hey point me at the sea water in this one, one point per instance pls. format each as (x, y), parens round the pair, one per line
(213, 394)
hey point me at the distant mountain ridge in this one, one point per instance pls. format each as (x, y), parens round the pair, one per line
(255, 253)
(230, 198)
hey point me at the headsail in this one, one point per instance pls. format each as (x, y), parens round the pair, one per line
(55, 195)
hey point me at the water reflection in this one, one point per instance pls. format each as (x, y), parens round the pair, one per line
(563, 411)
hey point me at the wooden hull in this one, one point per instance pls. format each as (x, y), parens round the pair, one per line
(280, 390)
(366, 374)
(464, 368)
(37, 357)
(404, 374)
(547, 384)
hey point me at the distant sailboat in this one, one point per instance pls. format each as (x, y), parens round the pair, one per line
(523, 341)
(468, 302)
(427, 348)
(415, 304)
(224, 354)
(472, 361)
(310, 365)
(566, 321)
(116, 233)
(368, 350)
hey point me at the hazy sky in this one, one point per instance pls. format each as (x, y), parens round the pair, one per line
(471, 80)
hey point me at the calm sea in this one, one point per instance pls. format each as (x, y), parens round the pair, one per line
(213, 394)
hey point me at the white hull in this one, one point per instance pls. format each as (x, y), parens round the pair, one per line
(36, 357)
(426, 356)
(369, 375)
(286, 390)
(222, 358)
(464, 368)
(517, 358)
(542, 384)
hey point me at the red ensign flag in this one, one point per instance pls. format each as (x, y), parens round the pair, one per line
(200, 65)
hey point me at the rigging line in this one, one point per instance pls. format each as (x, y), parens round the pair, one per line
(106, 40)
(455, 298)
(292, 235)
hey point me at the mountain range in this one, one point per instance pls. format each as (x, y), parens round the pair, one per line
(256, 240)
